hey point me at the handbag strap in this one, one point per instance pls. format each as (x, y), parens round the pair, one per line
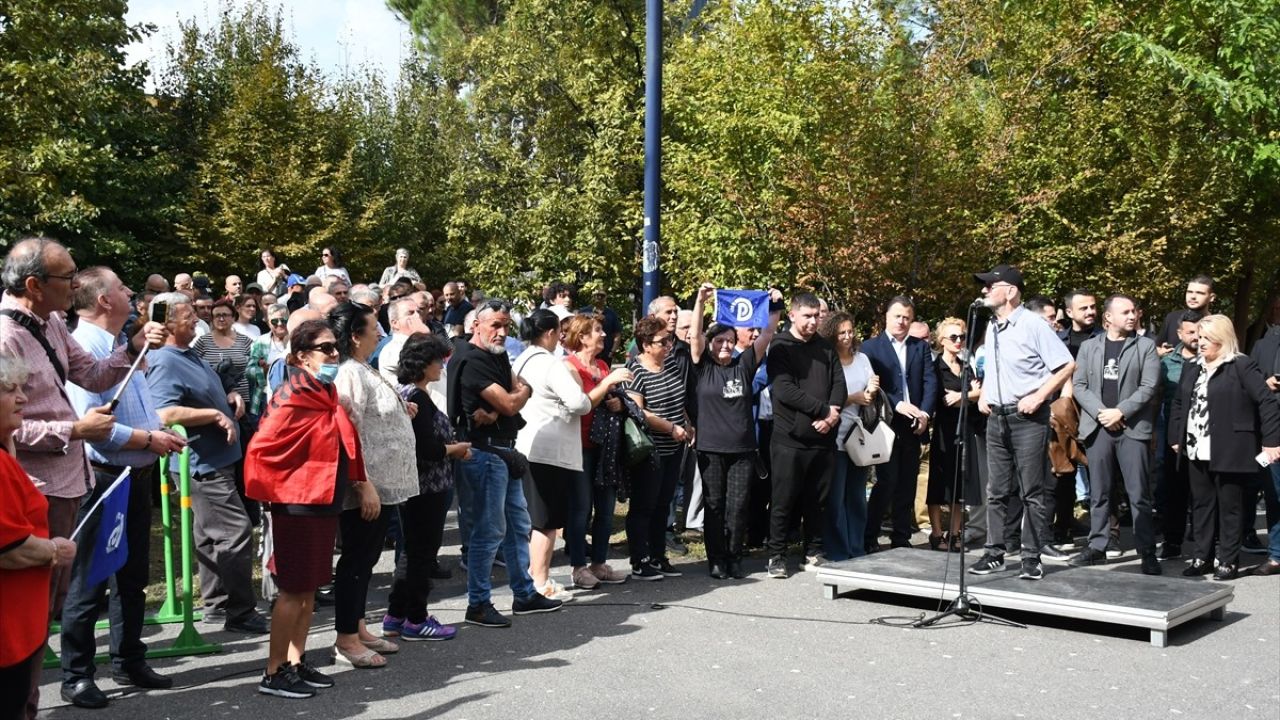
(30, 325)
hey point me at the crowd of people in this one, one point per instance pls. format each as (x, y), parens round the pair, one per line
(300, 396)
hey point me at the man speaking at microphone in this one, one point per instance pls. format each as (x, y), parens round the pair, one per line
(1026, 365)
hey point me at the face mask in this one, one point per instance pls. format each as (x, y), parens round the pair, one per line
(328, 373)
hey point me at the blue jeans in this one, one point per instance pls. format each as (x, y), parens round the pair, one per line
(589, 505)
(499, 517)
(846, 510)
(1272, 494)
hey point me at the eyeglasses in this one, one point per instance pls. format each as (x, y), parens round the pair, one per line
(277, 322)
(325, 254)
(954, 338)
(50, 276)
(668, 340)
(328, 348)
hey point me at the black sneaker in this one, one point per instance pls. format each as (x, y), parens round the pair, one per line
(252, 624)
(665, 567)
(1151, 565)
(486, 615)
(1197, 567)
(645, 571)
(1169, 551)
(311, 676)
(1031, 570)
(778, 568)
(285, 683)
(1089, 556)
(1049, 553)
(988, 564)
(1113, 549)
(1226, 572)
(535, 603)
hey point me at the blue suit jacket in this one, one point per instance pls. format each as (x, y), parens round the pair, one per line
(922, 376)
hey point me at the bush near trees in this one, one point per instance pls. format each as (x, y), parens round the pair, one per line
(859, 148)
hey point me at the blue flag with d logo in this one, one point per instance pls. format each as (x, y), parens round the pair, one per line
(742, 308)
(111, 545)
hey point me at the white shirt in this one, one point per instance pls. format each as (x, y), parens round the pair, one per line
(856, 376)
(552, 434)
(248, 330)
(900, 349)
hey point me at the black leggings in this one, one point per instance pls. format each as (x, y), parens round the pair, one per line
(422, 523)
(361, 548)
(653, 484)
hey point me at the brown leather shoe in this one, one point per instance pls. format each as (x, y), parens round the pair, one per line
(1270, 567)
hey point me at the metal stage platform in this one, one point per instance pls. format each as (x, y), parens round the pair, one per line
(1156, 603)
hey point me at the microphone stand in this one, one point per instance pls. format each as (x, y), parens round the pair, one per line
(964, 608)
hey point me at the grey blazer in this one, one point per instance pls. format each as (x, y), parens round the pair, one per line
(1139, 385)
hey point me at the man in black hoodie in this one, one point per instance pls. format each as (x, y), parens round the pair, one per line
(808, 392)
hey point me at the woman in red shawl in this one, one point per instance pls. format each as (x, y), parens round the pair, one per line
(27, 557)
(305, 457)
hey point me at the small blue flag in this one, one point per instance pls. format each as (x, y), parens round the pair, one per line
(742, 308)
(111, 545)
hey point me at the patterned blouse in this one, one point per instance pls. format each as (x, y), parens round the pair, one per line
(382, 419)
(1198, 418)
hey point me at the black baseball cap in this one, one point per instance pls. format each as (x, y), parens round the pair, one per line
(1001, 273)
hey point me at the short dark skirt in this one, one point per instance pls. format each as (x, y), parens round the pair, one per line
(546, 490)
(302, 551)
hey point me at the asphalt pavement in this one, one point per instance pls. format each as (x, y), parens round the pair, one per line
(693, 647)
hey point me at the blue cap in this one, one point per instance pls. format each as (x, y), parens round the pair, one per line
(296, 279)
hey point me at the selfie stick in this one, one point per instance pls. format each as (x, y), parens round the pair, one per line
(133, 369)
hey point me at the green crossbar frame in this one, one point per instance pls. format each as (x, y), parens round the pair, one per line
(175, 609)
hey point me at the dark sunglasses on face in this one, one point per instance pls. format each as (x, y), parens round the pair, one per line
(279, 321)
(328, 348)
(954, 338)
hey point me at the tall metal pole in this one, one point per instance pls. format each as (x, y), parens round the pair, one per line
(652, 152)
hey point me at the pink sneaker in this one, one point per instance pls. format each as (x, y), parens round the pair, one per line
(607, 575)
(583, 578)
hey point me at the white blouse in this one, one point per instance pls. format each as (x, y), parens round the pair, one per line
(856, 376)
(552, 434)
(382, 419)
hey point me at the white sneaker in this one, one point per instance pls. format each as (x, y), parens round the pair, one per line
(555, 591)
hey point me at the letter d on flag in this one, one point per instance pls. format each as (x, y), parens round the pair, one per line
(111, 544)
(742, 308)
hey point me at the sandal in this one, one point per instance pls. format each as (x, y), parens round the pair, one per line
(935, 542)
(381, 645)
(367, 660)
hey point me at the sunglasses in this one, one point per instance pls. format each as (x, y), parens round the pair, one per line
(328, 348)
(279, 321)
(668, 340)
(954, 338)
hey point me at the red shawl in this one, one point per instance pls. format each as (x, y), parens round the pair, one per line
(293, 457)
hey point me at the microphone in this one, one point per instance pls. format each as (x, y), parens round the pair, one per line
(979, 303)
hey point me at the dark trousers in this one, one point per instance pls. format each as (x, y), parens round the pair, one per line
(422, 523)
(801, 483)
(223, 544)
(128, 585)
(761, 488)
(895, 488)
(361, 548)
(1064, 504)
(20, 687)
(726, 490)
(1016, 445)
(1111, 455)
(591, 508)
(1216, 496)
(1177, 497)
(653, 485)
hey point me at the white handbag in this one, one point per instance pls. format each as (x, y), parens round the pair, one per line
(869, 448)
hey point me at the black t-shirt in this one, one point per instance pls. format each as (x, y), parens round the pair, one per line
(478, 370)
(457, 314)
(1075, 338)
(723, 393)
(1111, 372)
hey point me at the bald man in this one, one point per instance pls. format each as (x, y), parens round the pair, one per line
(156, 284)
(321, 301)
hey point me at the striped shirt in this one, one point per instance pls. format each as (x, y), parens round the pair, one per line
(233, 361)
(664, 395)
